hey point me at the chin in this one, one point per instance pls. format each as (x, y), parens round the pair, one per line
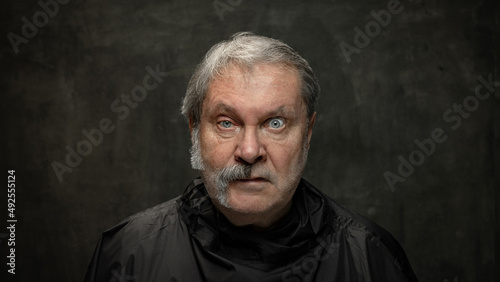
(248, 204)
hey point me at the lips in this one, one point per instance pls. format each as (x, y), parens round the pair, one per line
(251, 182)
(250, 185)
(254, 179)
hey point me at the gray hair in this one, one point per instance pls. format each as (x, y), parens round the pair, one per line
(246, 49)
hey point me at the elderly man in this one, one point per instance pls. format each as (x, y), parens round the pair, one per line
(250, 217)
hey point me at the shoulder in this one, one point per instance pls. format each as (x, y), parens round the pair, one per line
(146, 237)
(363, 240)
(341, 218)
(143, 224)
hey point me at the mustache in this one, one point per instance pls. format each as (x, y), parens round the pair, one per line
(234, 172)
(239, 171)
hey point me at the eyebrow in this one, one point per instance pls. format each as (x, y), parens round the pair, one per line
(280, 111)
(221, 107)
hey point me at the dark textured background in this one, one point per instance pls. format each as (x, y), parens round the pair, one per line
(371, 110)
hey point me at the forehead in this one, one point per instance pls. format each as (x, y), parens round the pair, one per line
(266, 86)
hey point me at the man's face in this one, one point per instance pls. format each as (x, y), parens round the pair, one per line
(257, 121)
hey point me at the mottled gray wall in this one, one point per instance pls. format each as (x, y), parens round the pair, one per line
(394, 90)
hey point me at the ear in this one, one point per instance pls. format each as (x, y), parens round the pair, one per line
(310, 129)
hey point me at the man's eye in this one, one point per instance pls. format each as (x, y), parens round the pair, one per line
(226, 124)
(276, 123)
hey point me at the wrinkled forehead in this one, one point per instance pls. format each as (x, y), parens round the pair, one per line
(267, 73)
(271, 73)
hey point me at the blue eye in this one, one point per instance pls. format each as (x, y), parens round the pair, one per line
(226, 124)
(276, 123)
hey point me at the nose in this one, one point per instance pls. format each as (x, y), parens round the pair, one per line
(250, 149)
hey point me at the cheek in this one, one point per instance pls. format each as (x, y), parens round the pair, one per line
(285, 156)
(215, 151)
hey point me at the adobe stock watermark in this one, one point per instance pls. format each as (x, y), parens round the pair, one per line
(222, 6)
(452, 116)
(302, 271)
(372, 29)
(121, 107)
(40, 18)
